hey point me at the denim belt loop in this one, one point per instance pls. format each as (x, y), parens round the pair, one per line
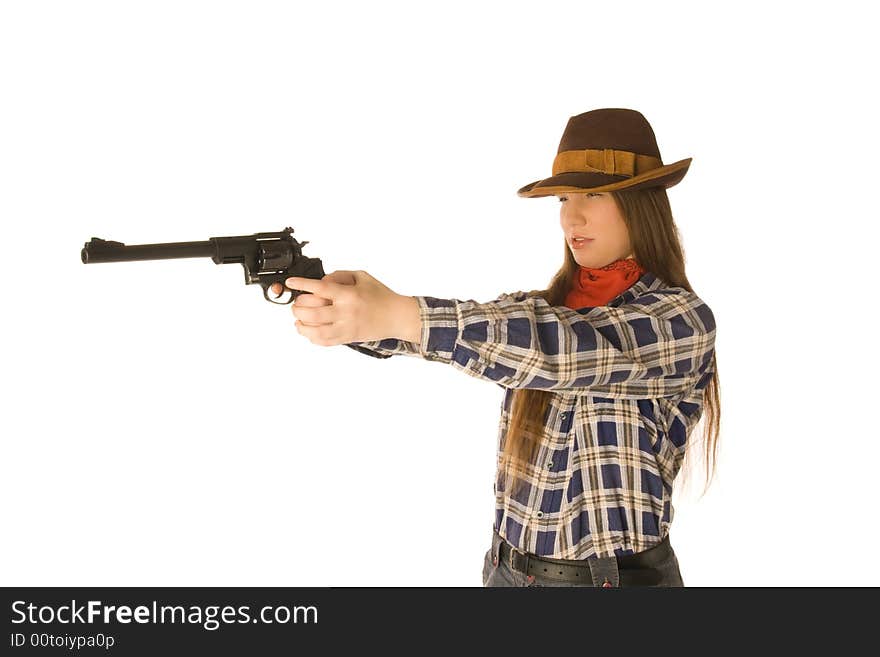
(496, 547)
(604, 571)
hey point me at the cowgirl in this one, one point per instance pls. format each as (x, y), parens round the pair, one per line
(605, 372)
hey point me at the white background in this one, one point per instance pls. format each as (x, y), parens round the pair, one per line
(164, 425)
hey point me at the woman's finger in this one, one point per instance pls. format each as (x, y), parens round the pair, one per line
(311, 301)
(321, 314)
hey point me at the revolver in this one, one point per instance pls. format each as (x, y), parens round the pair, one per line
(267, 258)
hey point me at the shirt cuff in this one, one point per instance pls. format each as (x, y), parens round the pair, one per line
(440, 328)
(385, 348)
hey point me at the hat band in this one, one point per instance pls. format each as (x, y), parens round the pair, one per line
(604, 160)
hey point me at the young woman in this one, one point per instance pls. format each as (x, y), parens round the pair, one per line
(606, 372)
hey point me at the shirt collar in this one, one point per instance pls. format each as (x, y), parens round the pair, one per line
(646, 283)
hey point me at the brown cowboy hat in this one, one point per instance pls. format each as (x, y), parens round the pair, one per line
(604, 150)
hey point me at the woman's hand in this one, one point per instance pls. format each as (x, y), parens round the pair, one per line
(347, 306)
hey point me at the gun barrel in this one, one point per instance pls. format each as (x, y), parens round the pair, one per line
(98, 250)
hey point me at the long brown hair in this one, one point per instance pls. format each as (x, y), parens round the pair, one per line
(656, 246)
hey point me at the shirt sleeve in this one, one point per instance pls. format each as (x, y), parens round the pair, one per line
(388, 348)
(658, 345)
(393, 346)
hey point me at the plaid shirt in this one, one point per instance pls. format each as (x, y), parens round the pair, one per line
(627, 380)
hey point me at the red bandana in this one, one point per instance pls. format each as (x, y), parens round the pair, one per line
(596, 287)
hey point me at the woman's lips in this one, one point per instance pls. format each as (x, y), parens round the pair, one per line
(579, 244)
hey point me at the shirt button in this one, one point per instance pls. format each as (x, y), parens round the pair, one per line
(564, 416)
(540, 514)
(549, 464)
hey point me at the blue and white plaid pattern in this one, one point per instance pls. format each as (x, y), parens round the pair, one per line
(627, 381)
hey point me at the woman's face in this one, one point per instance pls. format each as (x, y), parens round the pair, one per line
(595, 215)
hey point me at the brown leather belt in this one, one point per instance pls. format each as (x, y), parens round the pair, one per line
(637, 569)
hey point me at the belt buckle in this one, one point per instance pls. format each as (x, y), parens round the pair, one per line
(513, 551)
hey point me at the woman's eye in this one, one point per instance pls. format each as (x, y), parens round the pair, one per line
(562, 198)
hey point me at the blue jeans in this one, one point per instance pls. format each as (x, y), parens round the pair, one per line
(497, 572)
